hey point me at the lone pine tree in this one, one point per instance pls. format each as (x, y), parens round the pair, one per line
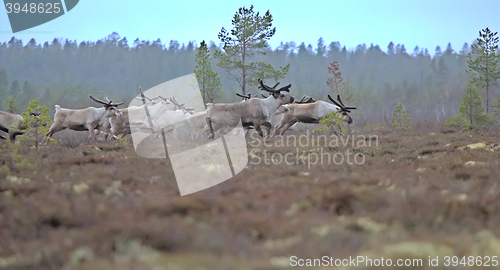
(248, 39)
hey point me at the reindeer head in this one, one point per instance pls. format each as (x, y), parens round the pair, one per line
(277, 93)
(343, 110)
(108, 104)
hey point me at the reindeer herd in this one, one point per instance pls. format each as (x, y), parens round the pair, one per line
(166, 116)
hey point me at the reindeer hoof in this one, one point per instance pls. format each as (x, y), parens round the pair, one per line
(210, 136)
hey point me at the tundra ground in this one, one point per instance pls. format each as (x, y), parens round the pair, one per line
(417, 194)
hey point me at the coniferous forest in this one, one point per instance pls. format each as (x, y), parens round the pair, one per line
(430, 84)
(412, 178)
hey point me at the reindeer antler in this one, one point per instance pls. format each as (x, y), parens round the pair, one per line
(242, 96)
(164, 98)
(273, 89)
(106, 103)
(306, 99)
(301, 100)
(340, 100)
(285, 88)
(176, 103)
(309, 100)
(340, 104)
(143, 97)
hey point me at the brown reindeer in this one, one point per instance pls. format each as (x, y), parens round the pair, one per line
(312, 113)
(8, 120)
(253, 112)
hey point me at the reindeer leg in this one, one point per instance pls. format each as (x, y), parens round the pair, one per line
(91, 129)
(13, 135)
(287, 126)
(53, 129)
(106, 132)
(209, 123)
(277, 129)
(246, 132)
(46, 138)
(284, 120)
(267, 126)
(258, 129)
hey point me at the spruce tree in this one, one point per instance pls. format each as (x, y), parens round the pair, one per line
(484, 68)
(208, 80)
(471, 108)
(15, 88)
(12, 105)
(471, 111)
(36, 122)
(399, 119)
(27, 94)
(4, 84)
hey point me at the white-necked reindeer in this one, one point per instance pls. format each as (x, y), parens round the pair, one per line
(90, 119)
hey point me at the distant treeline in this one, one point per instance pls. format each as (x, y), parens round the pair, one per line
(64, 72)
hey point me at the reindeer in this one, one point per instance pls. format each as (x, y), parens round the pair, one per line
(197, 120)
(164, 117)
(157, 115)
(312, 113)
(8, 120)
(90, 119)
(119, 124)
(253, 112)
(275, 120)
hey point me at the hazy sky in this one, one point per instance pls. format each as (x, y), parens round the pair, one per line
(424, 23)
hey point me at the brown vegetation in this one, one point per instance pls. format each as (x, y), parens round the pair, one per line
(101, 206)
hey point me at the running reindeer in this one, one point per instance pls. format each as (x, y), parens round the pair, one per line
(312, 113)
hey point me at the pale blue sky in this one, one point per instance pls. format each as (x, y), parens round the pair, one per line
(424, 23)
